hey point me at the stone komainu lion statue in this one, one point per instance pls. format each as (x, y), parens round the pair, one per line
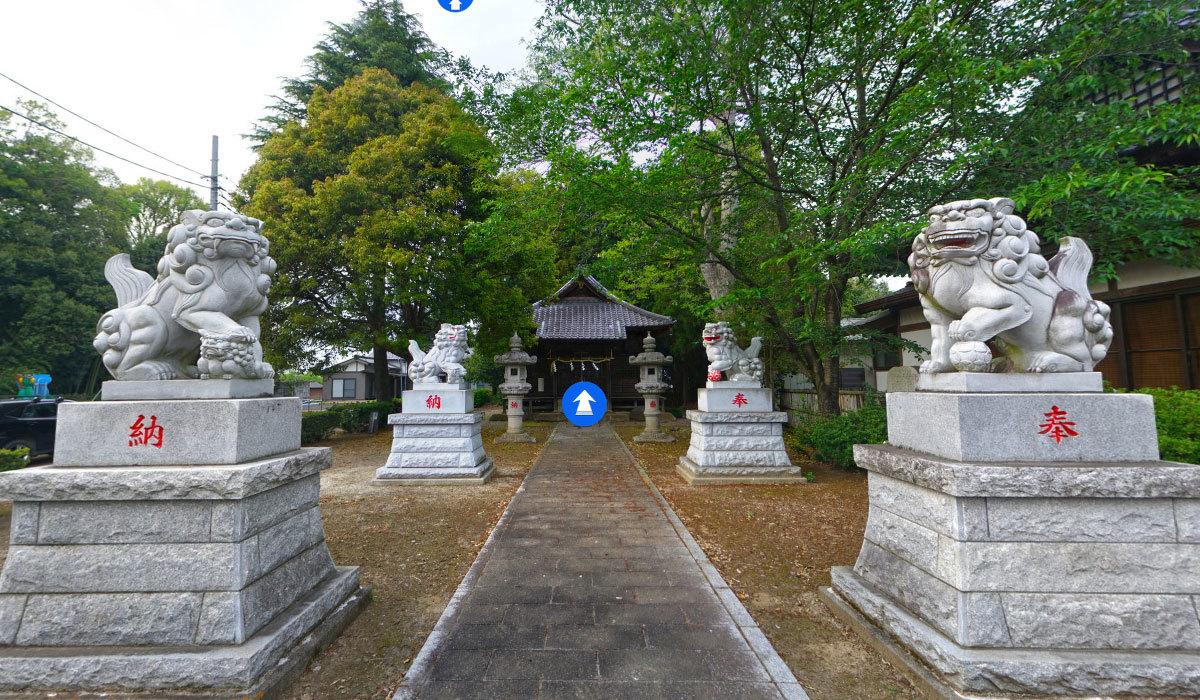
(445, 357)
(724, 355)
(995, 304)
(199, 318)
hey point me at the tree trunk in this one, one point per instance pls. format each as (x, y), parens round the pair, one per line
(830, 385)
(383, 377)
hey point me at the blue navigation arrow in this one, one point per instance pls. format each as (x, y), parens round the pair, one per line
(578, 403)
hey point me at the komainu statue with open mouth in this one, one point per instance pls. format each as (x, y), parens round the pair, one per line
(199, 319)
(995, 304)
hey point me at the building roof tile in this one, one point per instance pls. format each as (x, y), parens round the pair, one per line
(583, 309)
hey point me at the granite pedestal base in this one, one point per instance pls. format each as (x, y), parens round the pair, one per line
(186, 389)
(431, 448)
(1058, 577)
(653, 436)
(738, 447)
(174, 431)
(515, 437)
(180, 578)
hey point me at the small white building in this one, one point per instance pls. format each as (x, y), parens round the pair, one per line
(353, 379)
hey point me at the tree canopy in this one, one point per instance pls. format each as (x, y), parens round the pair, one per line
(382, 36)
(61, 218)
(779, 151)
(369, 202)
(157, 205)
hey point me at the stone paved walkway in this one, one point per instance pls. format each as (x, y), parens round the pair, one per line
(591, 588)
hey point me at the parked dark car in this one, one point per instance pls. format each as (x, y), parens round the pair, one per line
(29, 423)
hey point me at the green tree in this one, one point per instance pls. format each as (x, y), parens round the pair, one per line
(157, 206)
(382, 36)
(368, 203)
(787, 149)
(60, 220)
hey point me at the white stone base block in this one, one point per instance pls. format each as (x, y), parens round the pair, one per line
(737, 399)
(515, 437)
(737, 447)
(1034, 578)
(436, 449)
(167, 578)
(173, 389)
(1000, 427)
(1010, 382)
(273, 657)
(175, 432)
(653, 436)
(991, 672)
(438, 399)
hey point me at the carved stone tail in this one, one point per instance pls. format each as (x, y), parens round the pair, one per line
(1071, 266)
(127, 281)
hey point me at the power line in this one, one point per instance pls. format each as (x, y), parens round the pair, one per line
(85, 143)
(89, 121)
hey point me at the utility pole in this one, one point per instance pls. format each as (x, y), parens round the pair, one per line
(212, 179)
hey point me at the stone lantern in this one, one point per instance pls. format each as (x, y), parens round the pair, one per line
(514, 388)
(652, 387)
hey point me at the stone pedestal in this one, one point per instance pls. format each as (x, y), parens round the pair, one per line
(199, 578)
(653, 416)
(733, 445)
(1075, 571)
(441, 399)
(514, 409)
(436, 449)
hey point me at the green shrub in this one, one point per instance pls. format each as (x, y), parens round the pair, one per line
(483, 397)
(1177, 414)
(13, 459)
(833, 439)
(315, 426)
(356, 417)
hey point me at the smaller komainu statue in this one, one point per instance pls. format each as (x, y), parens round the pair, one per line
(994, 304)
(445, 357)
(200, 317)
(725, 357)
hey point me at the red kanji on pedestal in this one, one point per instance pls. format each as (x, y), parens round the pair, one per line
(142, 434)
(433, 401)
(514, 404)
(653, 404)
(740, 399)
(1055, 426)
(714, 375)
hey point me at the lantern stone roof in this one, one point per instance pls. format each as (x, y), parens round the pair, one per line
(583, 309)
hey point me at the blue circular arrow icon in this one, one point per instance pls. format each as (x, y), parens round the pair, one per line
(455, 5)
(584, 404)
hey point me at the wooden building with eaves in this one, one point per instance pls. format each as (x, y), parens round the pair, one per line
(584, 333)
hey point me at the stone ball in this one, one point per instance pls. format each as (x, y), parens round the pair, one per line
(971, 356)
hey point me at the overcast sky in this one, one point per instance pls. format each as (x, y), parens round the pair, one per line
(168, 74)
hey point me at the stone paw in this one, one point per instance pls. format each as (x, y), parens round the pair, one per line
(962, 330)
(150, 370)
(1053, 362)
(936, 366)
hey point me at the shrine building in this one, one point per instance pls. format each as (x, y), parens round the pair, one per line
(584, 333)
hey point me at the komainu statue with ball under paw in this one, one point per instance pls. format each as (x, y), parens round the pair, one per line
(199, 319)
(994, 304)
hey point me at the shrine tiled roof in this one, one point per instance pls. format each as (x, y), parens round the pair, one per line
(584, 310)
